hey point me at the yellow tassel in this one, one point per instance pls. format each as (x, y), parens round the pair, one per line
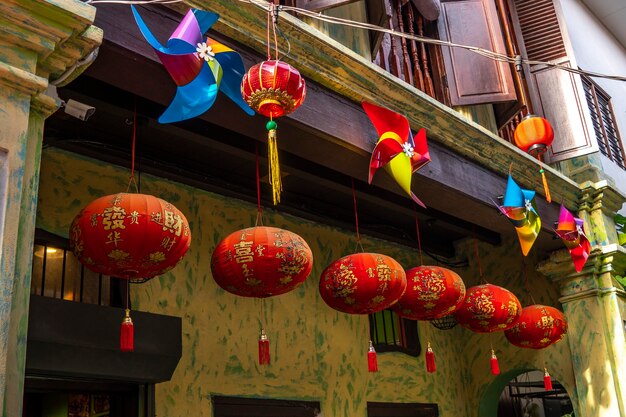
(274, 166)
(545, 185)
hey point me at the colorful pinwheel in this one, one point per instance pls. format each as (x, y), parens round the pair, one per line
(572, 232)
(396, 150)
(199, 68)
(520, 208)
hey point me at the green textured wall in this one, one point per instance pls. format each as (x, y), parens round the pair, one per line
(317, 353)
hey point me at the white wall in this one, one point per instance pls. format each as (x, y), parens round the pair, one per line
(596, 49)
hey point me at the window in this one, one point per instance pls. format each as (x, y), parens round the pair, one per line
(604, 124)
(402, 410)
(253, 407)
(390, 333)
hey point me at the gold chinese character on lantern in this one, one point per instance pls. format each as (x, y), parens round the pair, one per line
(113, 218)
(243, 252)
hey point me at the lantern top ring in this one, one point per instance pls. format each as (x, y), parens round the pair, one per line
(537, 149)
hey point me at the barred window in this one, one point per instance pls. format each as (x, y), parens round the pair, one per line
(391, 333)
(604, 124)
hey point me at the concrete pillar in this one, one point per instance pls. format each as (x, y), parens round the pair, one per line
(40, 40)
(594, 304)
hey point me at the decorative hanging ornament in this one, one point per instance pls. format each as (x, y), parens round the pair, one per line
(431, 367)
(261, 262)
(547, 381)
(533, 135)
(432, 292)
(538, 327)
(396, 150)
(520, 208)
(199, 68)
(131, 236)
(362, 283)
(571, 230)
(495, 366)
(488, 308)
(127, 333)
(372, 361)
(273, 88)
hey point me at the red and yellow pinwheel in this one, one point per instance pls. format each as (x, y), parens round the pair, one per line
(396, 150)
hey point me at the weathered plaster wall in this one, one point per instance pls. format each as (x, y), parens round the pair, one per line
(317, 353)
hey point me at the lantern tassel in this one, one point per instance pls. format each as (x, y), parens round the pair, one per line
(495, 366)
(430, 360)
(264, 349)
(274, 166)
(547, 381)
(372, 361)
(545, 185)
(127, 334)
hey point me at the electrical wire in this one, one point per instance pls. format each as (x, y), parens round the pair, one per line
(496, 56)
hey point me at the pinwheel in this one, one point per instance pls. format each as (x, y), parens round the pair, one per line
(521, 209)
(572, 232)
(199, 68)
(396, 150)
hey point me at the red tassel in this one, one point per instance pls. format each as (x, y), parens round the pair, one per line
(430, 360)
(495, 366)
(372, 362)
(264, 349)
(547, 381)
(127, 334)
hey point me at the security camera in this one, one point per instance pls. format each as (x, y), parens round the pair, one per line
(79, 110)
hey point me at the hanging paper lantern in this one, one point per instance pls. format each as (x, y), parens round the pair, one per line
(538, 327)
(488, 308)
(432, 292)
(362, 283)
(533, 135)
(273, 88)
(130, 236)
(261, 262)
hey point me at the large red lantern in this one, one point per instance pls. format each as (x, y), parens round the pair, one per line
(261, 262)
(363, 283)
(488, 308)
(538, 327)
(432, 292)
(273, 88)
(132, 236)
(533, 135)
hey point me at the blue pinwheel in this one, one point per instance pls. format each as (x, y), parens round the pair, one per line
(199, 68)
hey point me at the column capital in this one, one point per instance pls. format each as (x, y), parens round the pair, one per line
(601, 195)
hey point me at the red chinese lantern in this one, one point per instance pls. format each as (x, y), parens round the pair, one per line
(261, 262)
(488, 308)
(432, 292)
(538, 327)
(362, 283)
(273, 88)
(132, 236)
(533, 135)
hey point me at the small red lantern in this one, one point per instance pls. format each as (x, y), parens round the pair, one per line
(273, 88)
(538, 327)
(261, 262)
(533, 135)
(488, 308)
(132, 236)
(362, 283)
(432, 292)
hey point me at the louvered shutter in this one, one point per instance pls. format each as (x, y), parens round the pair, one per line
(557, 95)
(472, 78)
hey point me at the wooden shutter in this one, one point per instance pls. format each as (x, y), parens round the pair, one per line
(556, 95)
(472, 78)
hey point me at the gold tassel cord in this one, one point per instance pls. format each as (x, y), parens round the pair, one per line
(274, 167)
(545, 185)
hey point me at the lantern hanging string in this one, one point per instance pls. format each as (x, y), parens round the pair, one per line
(259, 214)
(272, 21)
(356, 220)
(131, 180)
(417, 230)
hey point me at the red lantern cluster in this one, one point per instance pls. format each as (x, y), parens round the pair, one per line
(130, 236)
(432, 292)
(488, 308)
(362, 283)
(538, 327)
(533, 135)
(261, 262)
(273, 88)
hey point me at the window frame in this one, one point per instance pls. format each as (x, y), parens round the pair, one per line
(606, 148)
(384, 409)
(226, 406)
(407, 341)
